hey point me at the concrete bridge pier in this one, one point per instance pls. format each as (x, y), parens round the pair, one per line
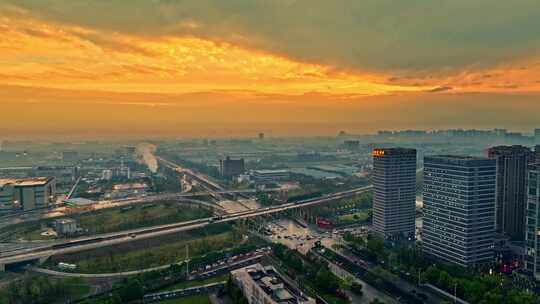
(42, 260)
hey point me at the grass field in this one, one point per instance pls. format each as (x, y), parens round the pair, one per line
(76, 288)
(113, 219)
(158, 255)
(140, 216)
(188, 300)
(360, 216)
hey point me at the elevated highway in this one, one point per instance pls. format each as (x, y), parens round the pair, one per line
(212, 187)
(104, 240)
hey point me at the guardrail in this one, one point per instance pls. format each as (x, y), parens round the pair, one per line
(177, 293)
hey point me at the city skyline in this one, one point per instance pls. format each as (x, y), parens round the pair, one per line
(206, 68)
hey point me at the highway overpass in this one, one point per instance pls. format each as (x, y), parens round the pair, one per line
(86, 243)
(212, 187)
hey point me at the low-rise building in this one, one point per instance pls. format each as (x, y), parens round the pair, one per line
(64, 175)
(65, 226)
(269, 176)
(26, 193)
(125, 190)
(107, 174)
(7, 193)
(121, 172)
(264, 285)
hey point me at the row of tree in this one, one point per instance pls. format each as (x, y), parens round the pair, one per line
(36, 290)
(469, 285)
(309, 268)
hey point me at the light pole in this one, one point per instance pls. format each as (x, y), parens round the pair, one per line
(187, 262)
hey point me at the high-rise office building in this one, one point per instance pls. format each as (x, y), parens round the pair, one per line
(512, 164)
(394, 196)
(537, 153)
(532, 235)
(231, 167)
(459, 209)
(537, 136)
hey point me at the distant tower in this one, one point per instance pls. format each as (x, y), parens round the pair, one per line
(459, 209)
(261, 136)
(394, 196)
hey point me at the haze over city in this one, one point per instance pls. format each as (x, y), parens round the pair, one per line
(214, 68)
(269, 152)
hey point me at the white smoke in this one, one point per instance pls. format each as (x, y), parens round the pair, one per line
(145, 153)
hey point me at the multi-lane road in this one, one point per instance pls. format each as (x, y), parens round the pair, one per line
(109, 239)
(212, 187)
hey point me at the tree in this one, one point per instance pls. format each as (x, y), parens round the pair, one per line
(35, 290)
(473, 291)
(264, 199)
(493, 297)
(131, 290)
(431, 275)
(520, 297)
(375, 245)
(326, 280)
(234, 292)
(357, 288)
(175, 268)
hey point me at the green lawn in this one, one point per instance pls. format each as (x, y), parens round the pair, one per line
(188, 300)
(167, 253)
(77, 288)
(114, 219)
(354, 217)
(187, 284)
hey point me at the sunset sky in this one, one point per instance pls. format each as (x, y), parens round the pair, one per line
(285, 67)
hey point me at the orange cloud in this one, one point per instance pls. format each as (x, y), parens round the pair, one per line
(60, 56)
(39, 53)
(88, 78)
